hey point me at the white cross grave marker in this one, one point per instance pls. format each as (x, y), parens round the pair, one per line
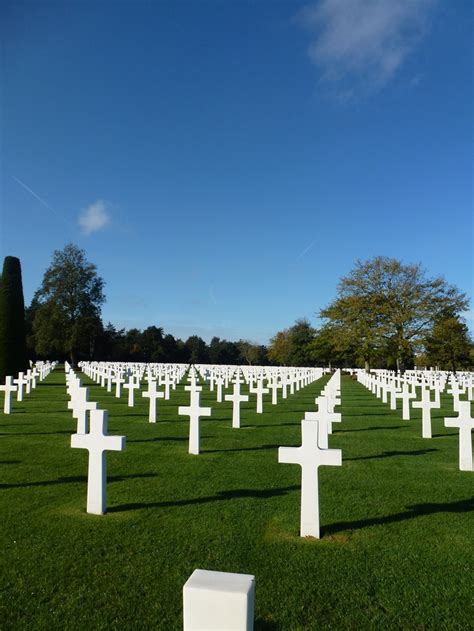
(465, 423)
(405, 395)
(194, 412)
(8, 388)
(310, 457)
(274, 385)
(80, 406)
(236, 397)
(20, 382)
(131, 386)
(97, 442)
(219, 383)
(425, 404)
(259, 390)
(118, 380)
(153, 395)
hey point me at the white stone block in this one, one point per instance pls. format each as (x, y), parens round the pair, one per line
(218, 601)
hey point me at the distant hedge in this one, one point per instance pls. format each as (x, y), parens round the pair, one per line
(13, 358)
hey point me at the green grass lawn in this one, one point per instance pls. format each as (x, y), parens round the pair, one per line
(397, 526)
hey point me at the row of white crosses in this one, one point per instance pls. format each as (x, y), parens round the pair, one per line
(40, 371)
(276, 378)
(430, 381)
(130, 377)
(384, 383)
(92, 436)
(221, 376)
(313, 453)
(236, 376)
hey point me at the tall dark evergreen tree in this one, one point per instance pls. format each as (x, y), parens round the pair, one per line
(12, 320)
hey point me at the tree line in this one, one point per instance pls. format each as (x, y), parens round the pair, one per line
(385, 315)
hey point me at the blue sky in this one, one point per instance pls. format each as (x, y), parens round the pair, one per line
(225, 163)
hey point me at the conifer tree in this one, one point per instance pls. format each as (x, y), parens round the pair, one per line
(12, 320)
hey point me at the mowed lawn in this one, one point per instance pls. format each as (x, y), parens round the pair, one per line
(397, 525)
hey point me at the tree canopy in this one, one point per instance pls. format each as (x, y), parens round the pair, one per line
(386, 307)
(449, 345)
(68, 303)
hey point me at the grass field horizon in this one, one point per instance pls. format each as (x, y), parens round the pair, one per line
(397, 528)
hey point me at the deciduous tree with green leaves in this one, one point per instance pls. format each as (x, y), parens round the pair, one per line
(448, 345)
(383, 303)
(67, 315)
(280, 348)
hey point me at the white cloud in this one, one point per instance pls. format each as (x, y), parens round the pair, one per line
(94, 217)
(363, 42)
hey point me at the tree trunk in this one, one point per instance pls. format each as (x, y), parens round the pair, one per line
(367, 365)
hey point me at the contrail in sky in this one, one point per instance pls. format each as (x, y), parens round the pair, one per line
(305, 251)
(37, 197)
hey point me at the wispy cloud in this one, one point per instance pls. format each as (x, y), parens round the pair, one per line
(94, 217)
(361, 44)
(40, 199)
(305, 251)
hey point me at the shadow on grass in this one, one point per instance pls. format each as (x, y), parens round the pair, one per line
(362, 413)
(221, 496)
(159, 439)
(62, 431)
(265, 625)
(10, 461)
(261, 448)
(412, 512)
(390, 454)
(75, 479)
(2, 425)
(368, 429)
(263, 425)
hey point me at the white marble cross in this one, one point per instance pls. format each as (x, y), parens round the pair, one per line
(20, 382)
(153, 395)
(80, 406)
(28, 381)
(425, 404)
(259, 390)
(324, 419)
(34, 377)
(219, 382)
(274, 385)
(131, 386)
(194, 411)
(109, 378)
(309, 456)
(236, 397)
(326, 407)
(97, 442)
(405, 395)
(167, 382)
(118, 380)
(394, 390)
(465, 423)
(8, 388)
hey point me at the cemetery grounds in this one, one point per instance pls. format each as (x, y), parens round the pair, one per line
(397, 526)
